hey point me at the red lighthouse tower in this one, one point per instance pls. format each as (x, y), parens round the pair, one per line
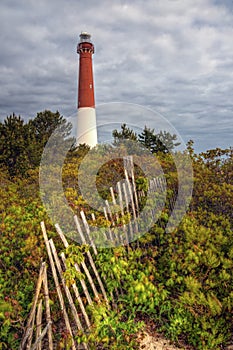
(86, 126)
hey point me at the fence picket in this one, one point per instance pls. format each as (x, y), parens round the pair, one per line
(58, 288)
(92, 263)
(77, 295)
(30, 322)
(87, 228)
(83, 283)
(38, 324)
(47, 309)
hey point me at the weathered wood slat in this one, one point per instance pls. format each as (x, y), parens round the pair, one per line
(82, 281)
(43, 334)
(65, 287)
(38, 324)
(28, 346)
(77, 295)
(58, 288)
(30, 323)
(131, 201)
(92, 263)
(110, 236)
(83, 264)
(124, 238)
(130, 236)
(47, 309)
(67, 291)
(114, 203)
(85, 223)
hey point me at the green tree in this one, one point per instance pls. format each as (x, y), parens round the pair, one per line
(13, 145)
(161, 142)
(125, 134)
(46, 122)
(22, 144)
(42, 127)
(213, 187)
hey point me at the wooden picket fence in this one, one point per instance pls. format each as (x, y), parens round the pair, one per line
(72, 307)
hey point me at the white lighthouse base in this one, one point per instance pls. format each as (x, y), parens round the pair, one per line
(86, 126)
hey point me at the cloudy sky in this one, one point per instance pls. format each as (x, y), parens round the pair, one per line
(172, 56)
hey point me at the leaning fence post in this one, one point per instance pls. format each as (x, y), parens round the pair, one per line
(92, 263)
(30, 322)
(38, 324)
(77, 295)
(47, 309)
(87, 228)
(83, 283)
(58, 288)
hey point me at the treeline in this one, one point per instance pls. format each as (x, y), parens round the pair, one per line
(22, 143)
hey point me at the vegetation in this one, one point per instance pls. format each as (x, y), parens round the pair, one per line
(182, 281)
(22, 144)
(161, 142)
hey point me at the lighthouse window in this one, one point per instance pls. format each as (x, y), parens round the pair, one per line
(90, 86)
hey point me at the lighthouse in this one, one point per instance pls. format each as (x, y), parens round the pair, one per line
(86, 125)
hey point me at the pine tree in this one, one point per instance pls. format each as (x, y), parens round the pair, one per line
(162, 142)
(13, 145)
(125, 134)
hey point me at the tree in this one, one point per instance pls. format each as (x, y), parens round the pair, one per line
(45, 123)
(13, 145)
(22, 144)
(42, 127)
(125, 134)
(162, 142)
(213, 187)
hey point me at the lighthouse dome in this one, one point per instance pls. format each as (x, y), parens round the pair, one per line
(85, 37)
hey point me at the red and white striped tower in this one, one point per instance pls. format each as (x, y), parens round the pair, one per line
(86, 126)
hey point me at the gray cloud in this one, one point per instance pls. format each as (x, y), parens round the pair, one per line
(175, 57)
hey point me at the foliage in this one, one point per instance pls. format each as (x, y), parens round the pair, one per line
(20, 253)
(14, 143)
(161, 142)
(22, 144)
(182, 280)
(213, 190)
(112, 329)
(195, 265)
(125, 134)
(74, 254)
